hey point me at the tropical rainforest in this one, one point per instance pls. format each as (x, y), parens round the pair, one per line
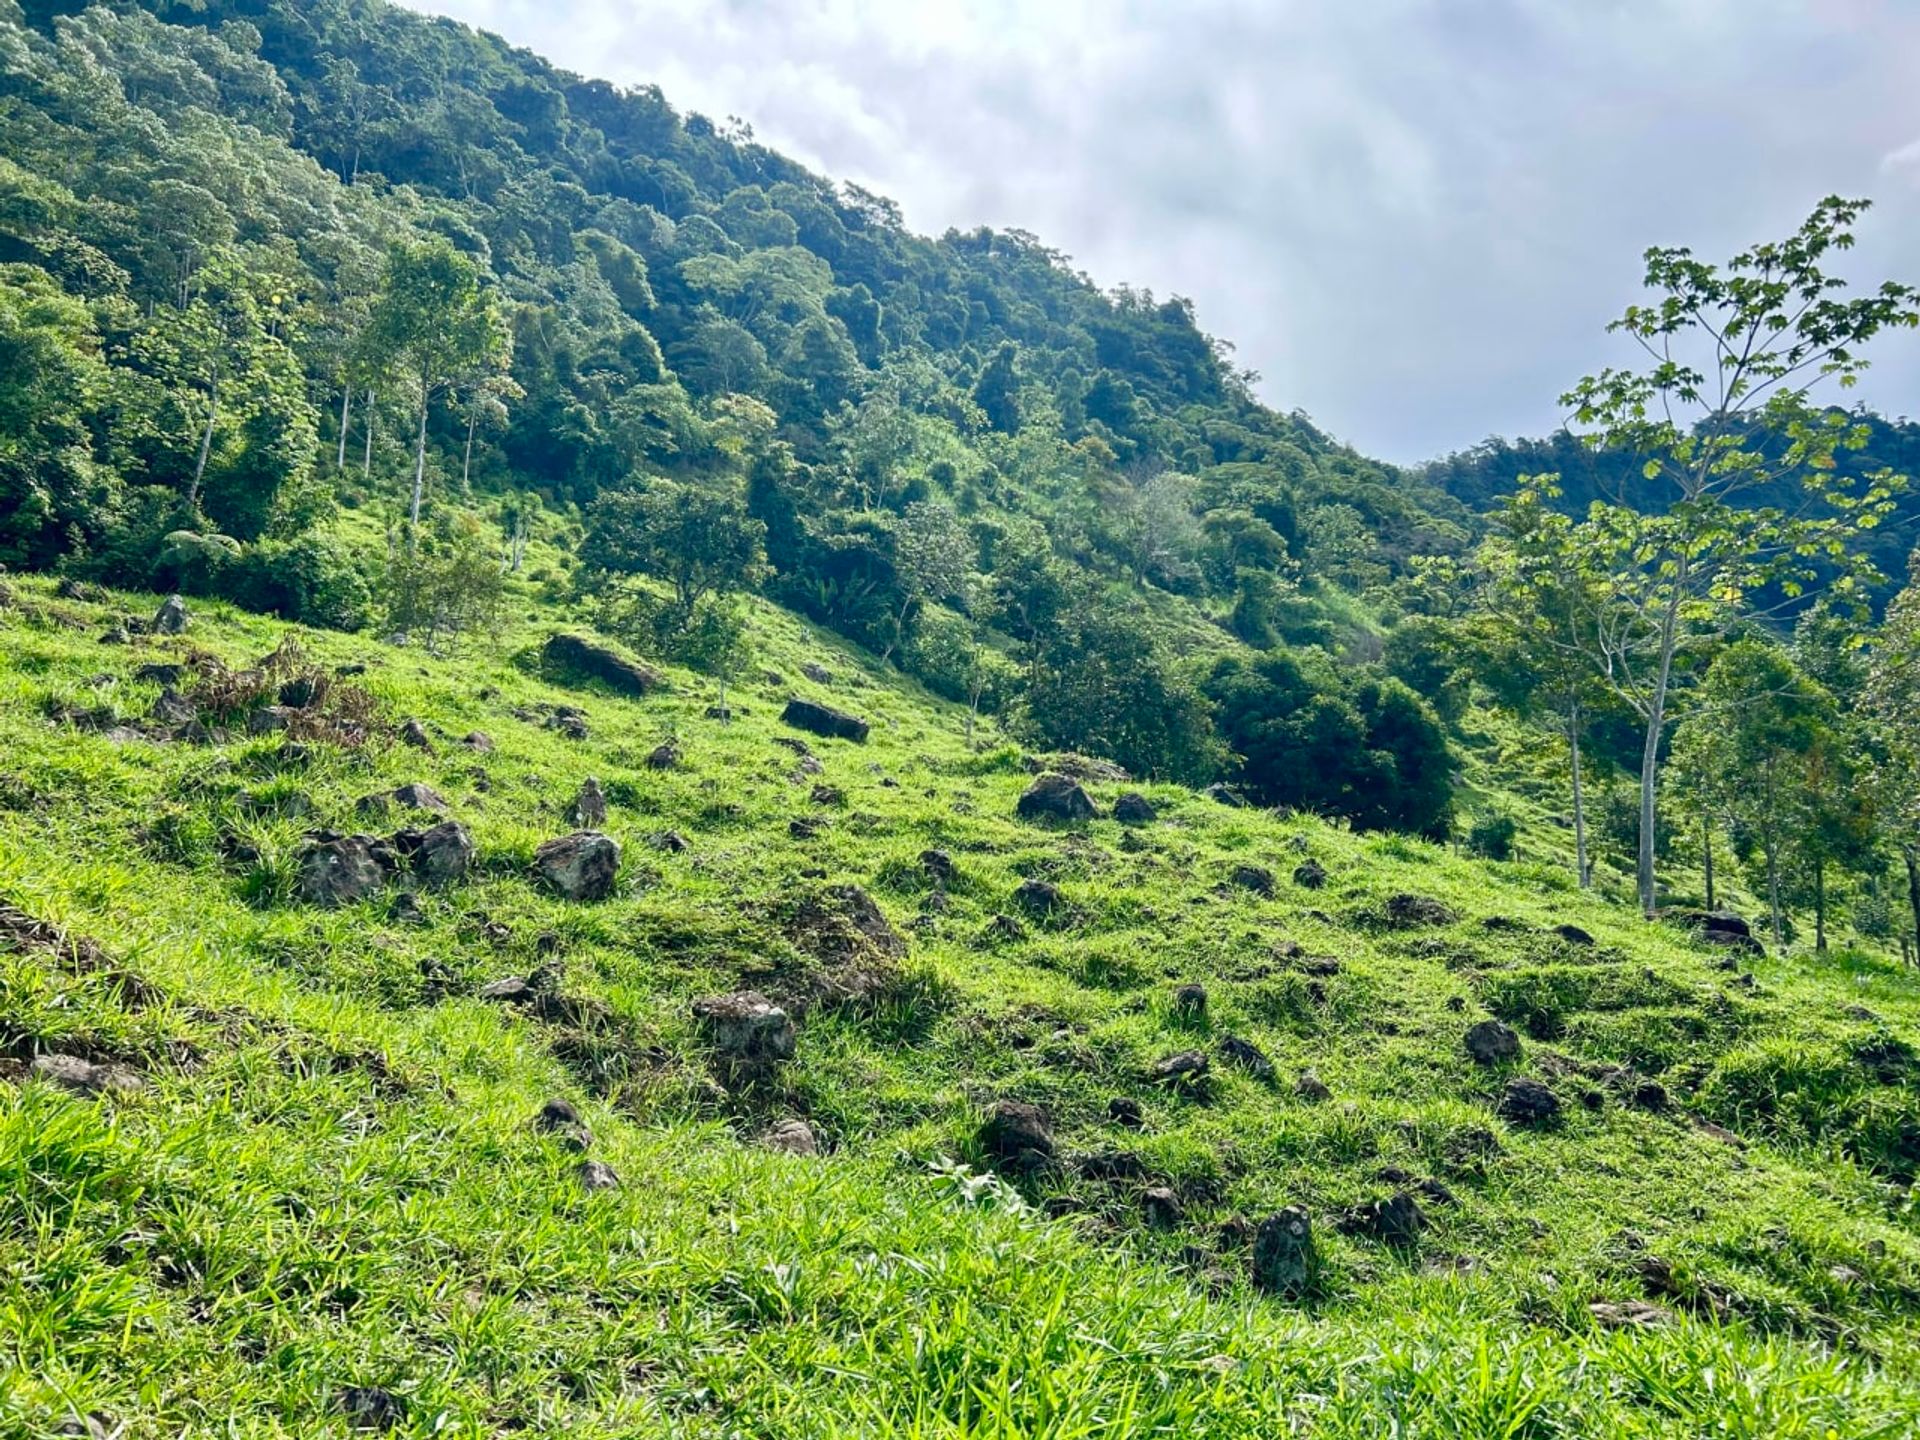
(474, 425)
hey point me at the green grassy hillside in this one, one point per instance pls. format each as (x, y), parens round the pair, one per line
(291, 1177)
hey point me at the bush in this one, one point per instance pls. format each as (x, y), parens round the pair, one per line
(315, 580)
(1491, 837)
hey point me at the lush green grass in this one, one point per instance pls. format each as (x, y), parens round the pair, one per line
(331, 1178)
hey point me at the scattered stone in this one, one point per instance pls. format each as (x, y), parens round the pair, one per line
(1319, 966)
(794, 1136)
(1407, 912)
(570, 722)
(939, 867)
(478, 741)
(116, 635)
(581, 866)
(1437, 1192)
(1056, 797)
(1256, 878)
(1310, 875)
(1285, 1259)
(1001, 930)
(577, 658)
(84, 1077)
(1018, 1137)
(415, 734)
(1134, 808)
(817, 673)
(1163, 1207)
(1311, 1088)
(1190, 1001)
(1187, 1070)
(1526, 1101)
(1629, 1314)
(1489, 1042)
(805, 827)
(823, 720)
(338, 869)
(671, 841)
(1222, 794)
(174, 709)
(1039, 897)
(1125, 1110)
(368, 1407)
(1396, 1221)
(827, 795)
(167, 676)
(556, 1114)
(444, 853)
(1573, 934)
(171, 618)
(508, 990)
(405, 909)
(597, 1175)
(664, 757)
(746, 1029)
(415, 796)
(1248, 1056)
(589, 808)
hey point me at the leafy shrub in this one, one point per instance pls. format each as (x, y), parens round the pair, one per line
(1491, 837)
(315, 580)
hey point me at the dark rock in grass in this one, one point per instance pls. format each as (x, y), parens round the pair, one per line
(84, 1077)
(722, 713)
(478, 741)
(1321, 967)
(339, 869)
(1310, 875)
(297, 692)
(569, 722)
(415, 734)
(1396, 1221)
(597, 1175)
(1190, 1002)
(406, 910)
(1489, 1042)
(805, 827)
(1629, 1315)
(173, 709)
(939, 867)
(1437, 1192)
(368, 1407)
(1237, 1050)
(1526, 1101)
(1125, 1110)
(1573, 934)
(351, 668)
(272, 719)
(1134, 808)
(1256, 878)
(1311, 1088)
(416, 796)
(1056, 797)
(1163, 1207)
(1225, 795)
(116, 635)
(1186, 1071)
(793, 1136)
(1017, 1136)
(508, 990)
(1039, 897)
(444, 853)
(663, 757)
(589, 808)
(572, 657)
(167, 676)
(827, 795)
(580, 866)
(1710, 922)
(1648, 1095)
(671, 841)
(557, 1114)
(746, 1029)
(823, 720)
(817, 673)
(1002, 930)
(1885, 1057)
(1408, 912)
(1285, 1259)
(171, 618)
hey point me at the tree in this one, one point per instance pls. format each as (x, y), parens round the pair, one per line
(997, 391)
(1892, 706)
(447, 587)
(931, 555)
(1722, 412)
(698, 538)
(434, 321)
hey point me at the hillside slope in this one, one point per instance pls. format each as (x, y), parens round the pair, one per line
(291, 1177)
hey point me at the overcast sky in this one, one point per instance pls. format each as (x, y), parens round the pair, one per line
(1412, 217)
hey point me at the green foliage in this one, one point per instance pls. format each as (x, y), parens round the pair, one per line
(697, 538)
(442, 585)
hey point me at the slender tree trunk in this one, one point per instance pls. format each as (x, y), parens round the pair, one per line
(1650, 753)
(1820, 906)
(466, 465)
(366, 460)
(1773, 867)
(346, 411)
(1706, 849)
(1912, 857)
(419, 473)
(1581, 868)
(206, 446)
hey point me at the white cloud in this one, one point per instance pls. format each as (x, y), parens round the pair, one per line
(1412, 216)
